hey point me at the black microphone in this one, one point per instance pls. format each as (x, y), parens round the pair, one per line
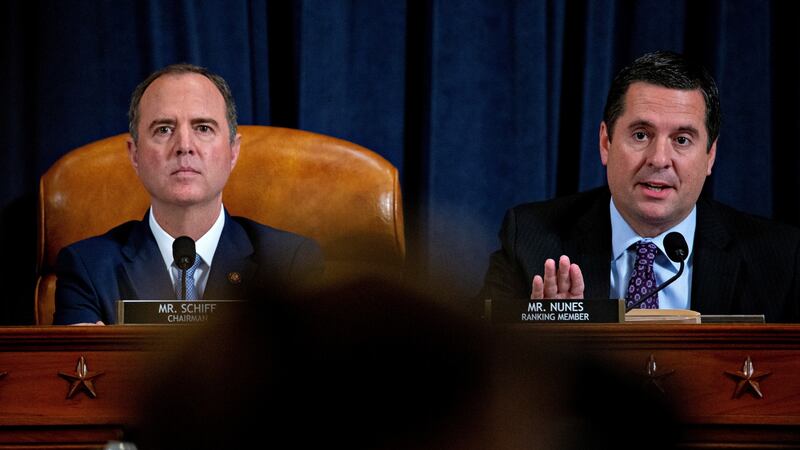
(183, 253)
(677, 250)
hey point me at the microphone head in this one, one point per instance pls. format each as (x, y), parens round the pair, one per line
(676, 247)
(183, 252)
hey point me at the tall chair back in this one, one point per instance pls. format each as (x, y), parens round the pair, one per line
(344, 196)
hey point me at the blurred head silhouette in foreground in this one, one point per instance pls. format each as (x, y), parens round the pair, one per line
(371, 364)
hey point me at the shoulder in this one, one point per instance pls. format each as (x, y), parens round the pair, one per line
(752, 236)
(298, 257)
(279, 246)
(744, 225)
(264, 235)
(561, 210)
(107, 243)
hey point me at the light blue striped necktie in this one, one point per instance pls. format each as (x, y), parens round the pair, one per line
(191, 288)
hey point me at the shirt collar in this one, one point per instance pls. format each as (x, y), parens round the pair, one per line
(623, 236)
(206, 246)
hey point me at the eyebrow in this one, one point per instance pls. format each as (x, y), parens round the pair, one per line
(158, 122)
(204, 120)
(166, 121)
(681, 129)
(689, 129)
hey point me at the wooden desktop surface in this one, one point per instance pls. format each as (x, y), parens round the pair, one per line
(697, 367)
(34, 408)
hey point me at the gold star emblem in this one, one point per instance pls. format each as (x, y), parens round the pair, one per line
(653, 377)
(747, 379)
(82, 379)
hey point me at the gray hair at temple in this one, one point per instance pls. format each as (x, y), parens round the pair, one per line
(178, 69)
(670, 70)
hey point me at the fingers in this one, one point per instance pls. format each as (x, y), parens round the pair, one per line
(537, 291)
(550, 279)
(564, 281)
(576, 281)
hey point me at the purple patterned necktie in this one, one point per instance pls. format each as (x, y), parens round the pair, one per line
(643, 278)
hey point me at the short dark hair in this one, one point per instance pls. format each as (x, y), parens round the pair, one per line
(178, 69)
(670, 70)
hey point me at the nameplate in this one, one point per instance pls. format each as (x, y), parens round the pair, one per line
(555, 311)
(173, 312)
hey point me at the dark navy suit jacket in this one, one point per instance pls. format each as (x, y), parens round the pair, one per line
(125, 263)
(742, 264)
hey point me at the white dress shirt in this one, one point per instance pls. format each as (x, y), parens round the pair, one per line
(206, 246)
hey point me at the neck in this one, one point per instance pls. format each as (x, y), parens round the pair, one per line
(649, 232)
(193, 221)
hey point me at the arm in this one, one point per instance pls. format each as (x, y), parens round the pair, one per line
(507, 278)
(307, 263)
(791, 310)
(77, 301)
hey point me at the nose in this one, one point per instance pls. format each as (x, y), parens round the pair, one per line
(660, 154)
(184, 141)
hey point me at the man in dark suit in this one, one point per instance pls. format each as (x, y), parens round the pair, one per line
(658, 141)
(183, 146)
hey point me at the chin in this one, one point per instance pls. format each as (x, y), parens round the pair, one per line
(655, 218)
(186, 199)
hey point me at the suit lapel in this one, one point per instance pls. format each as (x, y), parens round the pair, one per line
(591, 245)
(143, 274)
(233, 270)
(715, 268)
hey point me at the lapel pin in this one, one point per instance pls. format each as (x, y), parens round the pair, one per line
(234, 277)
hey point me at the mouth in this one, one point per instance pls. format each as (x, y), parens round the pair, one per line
(655, 187)
(185, 171)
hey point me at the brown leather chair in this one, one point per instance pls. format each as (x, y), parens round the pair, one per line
(344, 196)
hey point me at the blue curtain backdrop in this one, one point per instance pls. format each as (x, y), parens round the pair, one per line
(481, 104)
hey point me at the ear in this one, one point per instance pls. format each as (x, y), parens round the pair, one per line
(605, 143)
(133, 154)
(712, 156)
(235, 146)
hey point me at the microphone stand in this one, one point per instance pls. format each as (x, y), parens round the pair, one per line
(641, 300)
(183, 252)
